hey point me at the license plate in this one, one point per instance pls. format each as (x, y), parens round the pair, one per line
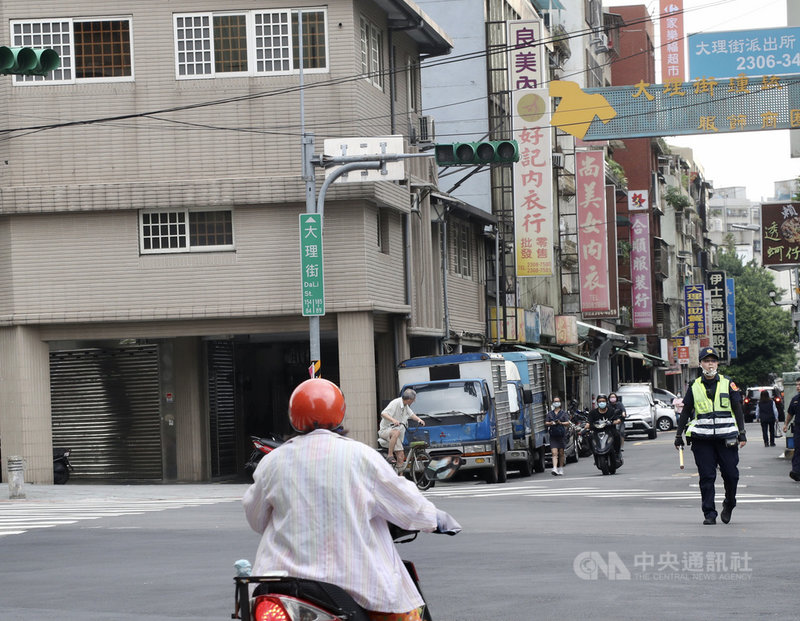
(628, 425)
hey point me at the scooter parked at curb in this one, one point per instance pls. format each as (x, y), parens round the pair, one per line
(61, 465)
(280, 597)
(606, 457)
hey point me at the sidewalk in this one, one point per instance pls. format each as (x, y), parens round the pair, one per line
(95, 491)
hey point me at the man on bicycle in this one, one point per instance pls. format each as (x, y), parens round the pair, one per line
(394, 420)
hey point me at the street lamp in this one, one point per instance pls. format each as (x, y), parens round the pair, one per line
(773, 295)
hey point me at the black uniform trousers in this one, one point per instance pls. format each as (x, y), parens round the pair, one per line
(708, 454)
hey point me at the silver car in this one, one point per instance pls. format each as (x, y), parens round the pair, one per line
(641, 413)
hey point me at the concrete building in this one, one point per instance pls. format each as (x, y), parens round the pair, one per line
(150, 316)
(734, 218)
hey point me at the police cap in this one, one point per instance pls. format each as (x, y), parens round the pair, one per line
(707, 352)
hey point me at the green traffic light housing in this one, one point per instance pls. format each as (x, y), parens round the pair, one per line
(477, 153)
(28, 61)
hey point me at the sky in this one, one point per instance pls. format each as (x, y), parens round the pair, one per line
(751, 159)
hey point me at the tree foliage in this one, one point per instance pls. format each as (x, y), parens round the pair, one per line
(765, 334)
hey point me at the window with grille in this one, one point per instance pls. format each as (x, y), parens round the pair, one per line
(372, 52)
(185, 231)
(209, 45)
(95, 49)
(462, 249)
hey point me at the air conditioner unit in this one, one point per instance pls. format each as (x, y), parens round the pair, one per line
(427, 130)
(600, 42)
(558, 160)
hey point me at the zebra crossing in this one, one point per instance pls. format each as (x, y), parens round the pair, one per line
(20, 517)
(471, 490)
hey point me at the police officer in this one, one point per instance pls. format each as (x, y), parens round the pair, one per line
(715, 433)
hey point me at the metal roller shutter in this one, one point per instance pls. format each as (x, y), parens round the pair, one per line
(105, 407)
(222, 407)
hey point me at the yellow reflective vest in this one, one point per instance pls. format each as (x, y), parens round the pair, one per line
(712, 419)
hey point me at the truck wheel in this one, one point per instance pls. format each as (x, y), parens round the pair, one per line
(491, 473)
(526, 467)
(502, 472)
(538, 460)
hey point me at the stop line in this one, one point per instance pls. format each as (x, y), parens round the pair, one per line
(20, 517)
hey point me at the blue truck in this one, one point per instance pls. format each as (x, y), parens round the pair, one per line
(469, 404)
(530, 376)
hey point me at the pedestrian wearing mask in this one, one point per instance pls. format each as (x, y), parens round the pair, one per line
(714, 423)
(557, 422)
(767, 415)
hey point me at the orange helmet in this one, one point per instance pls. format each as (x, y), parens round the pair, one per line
(316, 404)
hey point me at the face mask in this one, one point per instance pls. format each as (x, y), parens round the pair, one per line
(709, 373)
(556, 404)
(612, 399)
(601, 404)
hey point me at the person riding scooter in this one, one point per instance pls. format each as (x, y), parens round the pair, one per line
(321, 500)
(604, 411)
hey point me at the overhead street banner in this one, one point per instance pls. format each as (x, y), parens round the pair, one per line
(768, 51)
(705, 106)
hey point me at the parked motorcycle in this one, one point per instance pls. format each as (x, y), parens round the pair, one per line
(606, 458)
(261, 446)
(61, 465)
(280, 597)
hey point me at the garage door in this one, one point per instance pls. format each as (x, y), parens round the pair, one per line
(105, 407)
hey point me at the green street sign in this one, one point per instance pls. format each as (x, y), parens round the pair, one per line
(313, 285)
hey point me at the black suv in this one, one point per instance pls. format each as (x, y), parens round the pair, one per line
(751, 397)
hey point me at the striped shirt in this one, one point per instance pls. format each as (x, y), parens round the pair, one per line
(321, 503)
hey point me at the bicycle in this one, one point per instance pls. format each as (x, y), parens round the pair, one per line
(414, 466)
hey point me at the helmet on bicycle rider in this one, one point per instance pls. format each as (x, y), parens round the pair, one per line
(316, 404)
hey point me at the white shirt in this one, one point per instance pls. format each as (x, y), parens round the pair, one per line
(321, 502)
(398, 411)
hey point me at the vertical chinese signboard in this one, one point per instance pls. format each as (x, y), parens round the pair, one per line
(592, 231)
(672, 54)
(533, 183)
(526, 57)
(641, 273)
(313, 287)
(694, 303)
(719, 313)
(730, 292)
(780, 234)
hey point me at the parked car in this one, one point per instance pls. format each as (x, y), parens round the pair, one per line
(666, 418)
(751, 397)
(641, 412)
(664, 395)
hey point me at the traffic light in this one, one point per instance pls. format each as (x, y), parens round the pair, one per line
(477, 153)
(28, 61)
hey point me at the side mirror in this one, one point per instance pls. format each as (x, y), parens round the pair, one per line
(485, 403)
(527, 395)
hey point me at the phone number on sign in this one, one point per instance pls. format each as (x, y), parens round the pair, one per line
(767, 62)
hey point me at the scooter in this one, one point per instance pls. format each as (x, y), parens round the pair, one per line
(279, 597)
(606, 457)
(61, 466)
(261, 446)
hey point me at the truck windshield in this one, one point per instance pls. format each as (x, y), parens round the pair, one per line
(449, 402)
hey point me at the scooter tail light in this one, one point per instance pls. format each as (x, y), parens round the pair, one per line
(285, 608)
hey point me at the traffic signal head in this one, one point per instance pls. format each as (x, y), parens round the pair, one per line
(28, 61)
(477, 153)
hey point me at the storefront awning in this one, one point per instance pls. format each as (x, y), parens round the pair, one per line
(578, 357)
(553, 356)
(585, 329)
(657, 359)
(631, 353)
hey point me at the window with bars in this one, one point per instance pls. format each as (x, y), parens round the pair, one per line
(211, 45)
(94, 49)
(372, 52)
(185, 231)
(462, 249)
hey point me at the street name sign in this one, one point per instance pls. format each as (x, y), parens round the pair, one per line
(313, 284)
